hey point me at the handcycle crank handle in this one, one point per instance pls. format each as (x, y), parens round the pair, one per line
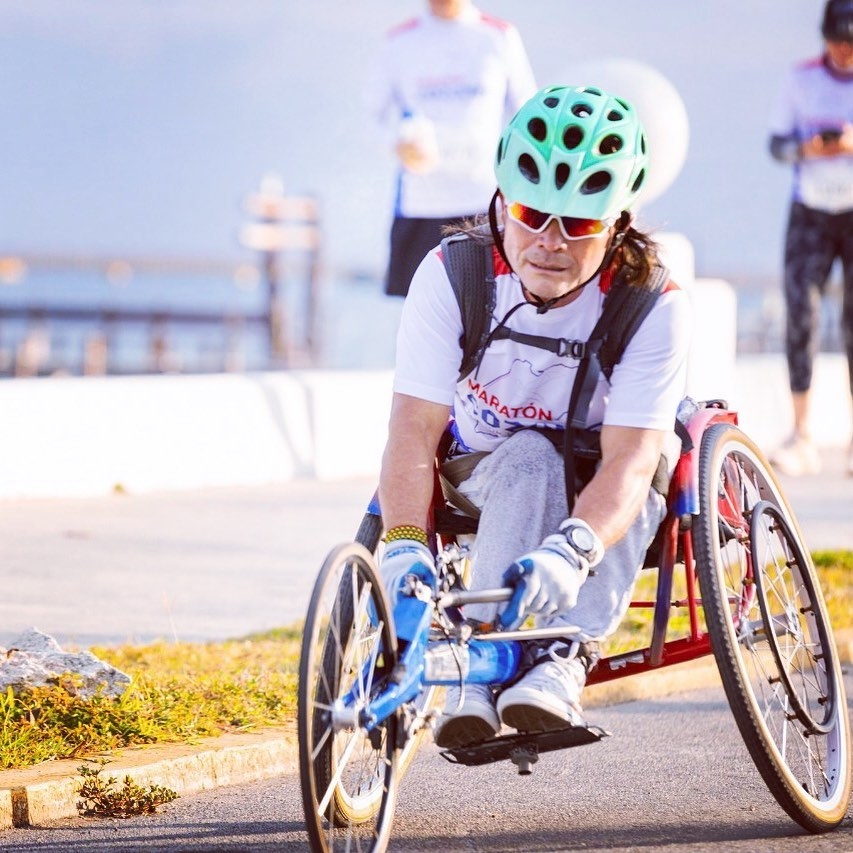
(459, 597)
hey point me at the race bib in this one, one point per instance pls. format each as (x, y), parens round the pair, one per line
(827, 184)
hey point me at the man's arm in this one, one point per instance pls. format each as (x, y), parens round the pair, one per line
(406, 480)
(616, 494)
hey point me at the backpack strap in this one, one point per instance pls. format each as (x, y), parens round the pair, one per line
(470, 268)
(625, 308)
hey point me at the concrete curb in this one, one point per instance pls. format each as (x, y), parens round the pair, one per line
(40, 796)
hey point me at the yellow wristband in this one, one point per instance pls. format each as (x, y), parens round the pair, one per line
(406, 531)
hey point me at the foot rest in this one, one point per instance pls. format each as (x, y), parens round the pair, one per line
(524, 748)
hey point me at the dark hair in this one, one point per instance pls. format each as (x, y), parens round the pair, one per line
(636, 256)
(837, 22)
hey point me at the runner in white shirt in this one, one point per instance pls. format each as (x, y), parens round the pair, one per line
(569, 168)
(812, 129)
(442, 88)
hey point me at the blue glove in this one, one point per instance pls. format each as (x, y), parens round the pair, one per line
(405, 557)
(547, 580)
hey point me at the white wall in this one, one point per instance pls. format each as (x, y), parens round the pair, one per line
(89, 436)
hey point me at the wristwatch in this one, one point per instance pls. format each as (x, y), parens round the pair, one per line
(583, 540)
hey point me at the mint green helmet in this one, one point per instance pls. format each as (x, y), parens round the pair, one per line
(573, 151)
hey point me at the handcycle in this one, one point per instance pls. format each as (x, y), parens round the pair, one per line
(751, 596)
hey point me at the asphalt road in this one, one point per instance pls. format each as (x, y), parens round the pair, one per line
(222, 563)
(195, 565)
(673, 776)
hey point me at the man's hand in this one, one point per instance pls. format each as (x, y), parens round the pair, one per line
(405, 557)
(547, 580)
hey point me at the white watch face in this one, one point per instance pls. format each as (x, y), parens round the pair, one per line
(581, 538)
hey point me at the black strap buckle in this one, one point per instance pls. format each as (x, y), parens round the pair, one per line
(574, 349)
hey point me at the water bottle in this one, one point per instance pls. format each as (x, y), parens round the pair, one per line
(478, 662)
(418, 132)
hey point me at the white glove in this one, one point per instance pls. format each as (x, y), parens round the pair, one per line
(547, 580)
(405, 557)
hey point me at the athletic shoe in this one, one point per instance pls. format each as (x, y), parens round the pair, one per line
(548, 697)
(797, 456)
(475, 721)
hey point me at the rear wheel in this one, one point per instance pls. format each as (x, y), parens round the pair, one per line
(348, 774)
(770, 632)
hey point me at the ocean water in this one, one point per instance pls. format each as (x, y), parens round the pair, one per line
(346, 322)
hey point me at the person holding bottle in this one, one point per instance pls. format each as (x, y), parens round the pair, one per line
(441, 90)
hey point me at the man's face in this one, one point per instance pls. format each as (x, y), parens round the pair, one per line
(446, 8)
(840, 54)
(547, 263)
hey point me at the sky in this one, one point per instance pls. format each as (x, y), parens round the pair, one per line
(141, 127)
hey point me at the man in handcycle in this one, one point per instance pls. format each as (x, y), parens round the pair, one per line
(570, 169)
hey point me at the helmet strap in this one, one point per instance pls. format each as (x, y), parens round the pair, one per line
(616, 240)
(497, 236)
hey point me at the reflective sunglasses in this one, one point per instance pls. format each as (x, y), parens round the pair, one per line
(571, 227)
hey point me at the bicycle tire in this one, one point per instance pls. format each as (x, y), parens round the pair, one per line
(348, 776)
(369, 534)
(807, 771)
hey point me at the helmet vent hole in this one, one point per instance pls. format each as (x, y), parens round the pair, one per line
(500, 154)
(610, 144)
(551, 101)
(572, 137)
(538, 129)
(561, 175)
(527, 166)
(615, 115)
(596, 183)
(582, 110)
(638, 182)
(643, 144)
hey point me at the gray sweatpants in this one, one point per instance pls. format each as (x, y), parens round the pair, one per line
(520, 489)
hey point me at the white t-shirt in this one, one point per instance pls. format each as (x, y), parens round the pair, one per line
(517, 385)
(464, 78)
(814, 98)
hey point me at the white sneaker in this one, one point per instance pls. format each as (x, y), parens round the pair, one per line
(548, 697)
(797, 456)
(475, 721)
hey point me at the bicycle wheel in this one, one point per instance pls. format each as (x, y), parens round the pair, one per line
(369, 534)
(770, 632)
(370, 531)
(348, 775)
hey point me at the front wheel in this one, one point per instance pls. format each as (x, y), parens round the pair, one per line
(770, 632)
(348, 774)
(422, 707)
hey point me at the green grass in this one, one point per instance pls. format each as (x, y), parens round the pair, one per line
(179, 692)
(182, 692)
(834, 569)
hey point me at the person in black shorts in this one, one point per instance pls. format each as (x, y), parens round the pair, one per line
(442, 88)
